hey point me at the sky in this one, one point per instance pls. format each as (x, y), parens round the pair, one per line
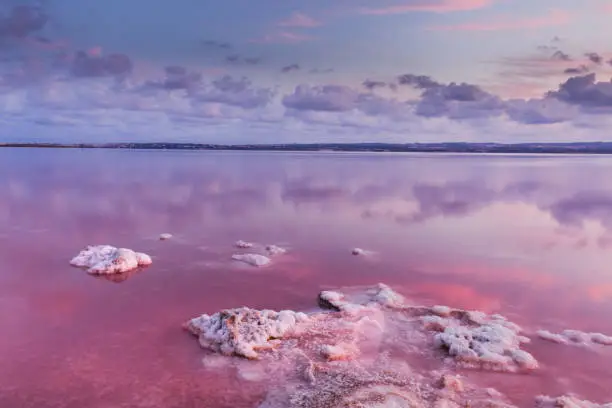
(272, 71)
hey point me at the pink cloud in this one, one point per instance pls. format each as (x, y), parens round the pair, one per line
(431, 6)
(298, 19)
(553, 18)
(283, 37)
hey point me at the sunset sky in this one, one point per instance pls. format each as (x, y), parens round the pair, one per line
(270, 71)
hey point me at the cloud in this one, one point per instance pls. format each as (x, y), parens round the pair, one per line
(299, 20)
(236, 59)
(584, 91)
(289, 68)
(560, 55)
(339, 98)
(321, 70)
(594, 57)
(582, 69)
(372, 84)
(282, 37)
(93, 64)
(431, 6)
(553, 18)
(22, 21)
(216, 44)
(417, 81)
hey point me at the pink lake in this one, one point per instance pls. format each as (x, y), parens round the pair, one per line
(526, 236)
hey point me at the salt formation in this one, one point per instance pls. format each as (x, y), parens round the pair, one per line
(380, 295)
(106, 259)
(475, 339)
(243, 244)
(252, 259)
(357, 251)
(345, 356)
(243, 331)
(567, 401)
(165, 236)
(275, 250)
(575, 337)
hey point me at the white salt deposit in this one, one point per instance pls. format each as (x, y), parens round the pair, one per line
(567, 401)
(379, 296)
(275, 250)
(358, 251)
(243, 244)
(243, 331)
(106, 259)
(252, 259)
(165, 236)
(576, 337)
(475, 339)
(345, 356)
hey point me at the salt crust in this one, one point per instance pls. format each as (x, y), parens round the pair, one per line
(338, 358)
(576, 337)
(243, 244)
(106, 259)
(165, 236)
(252, 259)
(567, 401)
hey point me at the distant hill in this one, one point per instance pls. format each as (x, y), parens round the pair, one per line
(459, 147)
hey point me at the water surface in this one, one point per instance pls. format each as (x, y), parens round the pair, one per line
(526, 236)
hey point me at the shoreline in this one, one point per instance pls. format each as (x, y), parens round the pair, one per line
(597, 148)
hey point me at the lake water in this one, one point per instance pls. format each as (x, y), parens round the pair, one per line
(526, 236)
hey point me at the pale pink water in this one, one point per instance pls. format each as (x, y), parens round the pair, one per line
(528, 237)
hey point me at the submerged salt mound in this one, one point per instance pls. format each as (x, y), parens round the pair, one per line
(164, 236)
(243, 331)
(358, 251)
(567, 401)
(106, 259)
(575, 337)
(252, 259)
(243, 244)
(476, 339)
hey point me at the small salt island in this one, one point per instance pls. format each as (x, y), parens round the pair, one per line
(107, 259)
(165, 236)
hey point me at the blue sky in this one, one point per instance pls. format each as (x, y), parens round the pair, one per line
(511, 56)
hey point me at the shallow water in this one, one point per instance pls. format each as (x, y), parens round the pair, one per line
(526, 236)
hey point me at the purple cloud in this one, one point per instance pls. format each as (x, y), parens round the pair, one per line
(85, 65)
(417, 81)
(237, 59)
(289, 68)
(458, 101)
(561, 56)
(582, 69)
(177, 77)
(216, 44)
(584, 91)
(594, 57)
(371, 84)
(22, 21)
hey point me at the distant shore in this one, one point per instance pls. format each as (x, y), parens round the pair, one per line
(544, 148)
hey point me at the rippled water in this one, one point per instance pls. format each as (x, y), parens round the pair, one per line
(526, 236)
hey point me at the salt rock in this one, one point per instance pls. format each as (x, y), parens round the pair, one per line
(490, 342)
(380, 295)
(357, 251)
(252, 259)
(106, 259)
(567, 401)
(243, 331)
(243, 244)
(164, 237)
(275, 250)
